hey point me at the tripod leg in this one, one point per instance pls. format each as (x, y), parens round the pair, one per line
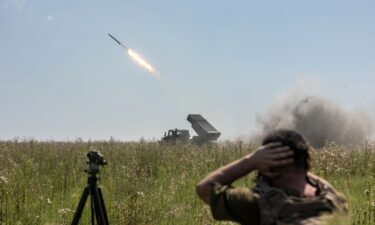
(92, 210)
(101, 214)
(81, 205)
(103, 205)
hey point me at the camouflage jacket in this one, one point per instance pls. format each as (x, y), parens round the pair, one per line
(278, 208)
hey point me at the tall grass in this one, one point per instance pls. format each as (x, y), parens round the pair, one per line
(150, 183)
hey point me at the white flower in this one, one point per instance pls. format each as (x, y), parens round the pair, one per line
(3, 179)
(64, 211)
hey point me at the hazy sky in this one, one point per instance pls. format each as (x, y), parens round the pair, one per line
(62, 76)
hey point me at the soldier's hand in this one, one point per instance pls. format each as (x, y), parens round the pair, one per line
(271, 155)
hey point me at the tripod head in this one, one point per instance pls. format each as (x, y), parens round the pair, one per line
(94, 160)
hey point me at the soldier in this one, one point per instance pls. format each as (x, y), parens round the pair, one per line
(285, 191)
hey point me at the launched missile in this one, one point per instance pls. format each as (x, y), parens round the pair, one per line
(126, 48)
(139, 59)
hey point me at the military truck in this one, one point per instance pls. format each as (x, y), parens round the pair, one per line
(206, 132)
(176, 135)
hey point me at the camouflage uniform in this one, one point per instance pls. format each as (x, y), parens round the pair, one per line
(267, 205)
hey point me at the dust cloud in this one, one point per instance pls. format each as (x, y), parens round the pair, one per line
(320, 120)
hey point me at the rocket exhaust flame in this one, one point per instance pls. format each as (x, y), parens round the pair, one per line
(141, 61)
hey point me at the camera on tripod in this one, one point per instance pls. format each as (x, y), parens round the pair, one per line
(98, 211)
(94, 160)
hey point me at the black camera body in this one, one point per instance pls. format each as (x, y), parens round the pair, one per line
(94, 160)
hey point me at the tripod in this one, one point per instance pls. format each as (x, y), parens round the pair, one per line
(97, 206)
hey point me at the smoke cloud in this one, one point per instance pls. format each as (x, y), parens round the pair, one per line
(316, 118)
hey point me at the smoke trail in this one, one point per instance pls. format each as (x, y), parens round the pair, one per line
(318, 119)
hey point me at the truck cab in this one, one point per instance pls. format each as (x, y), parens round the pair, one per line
(176, 135)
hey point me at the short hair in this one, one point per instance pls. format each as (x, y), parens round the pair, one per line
(295, 142)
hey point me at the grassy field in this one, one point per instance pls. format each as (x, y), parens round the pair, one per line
(150, 183)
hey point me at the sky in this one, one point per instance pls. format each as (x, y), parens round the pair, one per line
(62, 77)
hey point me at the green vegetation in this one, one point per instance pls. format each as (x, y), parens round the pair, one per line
(150, 183)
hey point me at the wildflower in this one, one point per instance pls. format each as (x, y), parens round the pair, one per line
(64, 211)
(49, 201)
(3, 179)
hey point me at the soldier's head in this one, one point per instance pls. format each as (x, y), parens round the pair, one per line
(296, 142)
